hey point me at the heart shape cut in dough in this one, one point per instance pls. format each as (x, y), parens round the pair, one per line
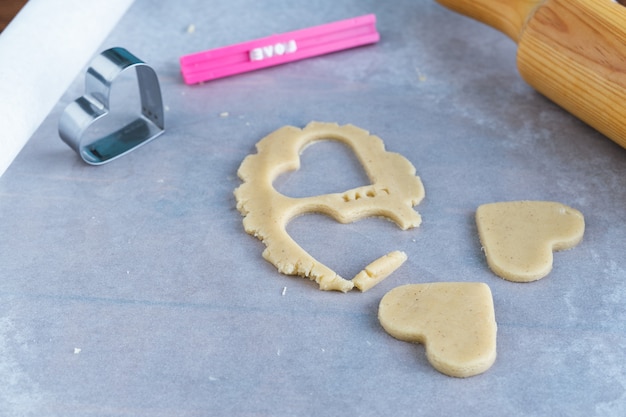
(395, 189)
(518, 237)
(455, 321)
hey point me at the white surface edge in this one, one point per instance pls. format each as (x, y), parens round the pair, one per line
(41, 52)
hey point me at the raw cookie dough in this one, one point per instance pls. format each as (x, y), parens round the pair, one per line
(378, 270)
(395, 189)
(455, 321)
(518, 237)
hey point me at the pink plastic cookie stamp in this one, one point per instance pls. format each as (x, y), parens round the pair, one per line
(279, 49)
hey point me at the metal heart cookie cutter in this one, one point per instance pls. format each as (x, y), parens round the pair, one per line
(94, 104)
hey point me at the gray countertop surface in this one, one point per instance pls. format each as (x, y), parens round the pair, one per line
(131, 289)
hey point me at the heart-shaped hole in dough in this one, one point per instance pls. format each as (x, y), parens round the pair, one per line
(326, 166)
(455, 321)
(347, 248)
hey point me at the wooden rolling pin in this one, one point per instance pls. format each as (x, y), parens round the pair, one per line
(571, 51)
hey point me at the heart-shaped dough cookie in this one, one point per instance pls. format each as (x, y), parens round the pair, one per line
(518, 237)
(395, 189)
(455, 321)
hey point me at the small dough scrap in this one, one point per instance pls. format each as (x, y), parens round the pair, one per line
(518, 237)
(378, 270)
(395, 189)
(455, 321)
